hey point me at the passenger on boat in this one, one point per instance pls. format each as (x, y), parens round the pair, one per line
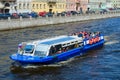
(20, 48)
(97, 33)
(59, 51)
(74, 34)
(63, 50)
(93, 34)
(67, 48)
(80, 35)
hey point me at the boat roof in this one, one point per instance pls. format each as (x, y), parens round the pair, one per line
(59, 40)
(56, 40)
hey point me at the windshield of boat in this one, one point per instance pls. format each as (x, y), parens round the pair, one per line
(29, 49)
(41, 50)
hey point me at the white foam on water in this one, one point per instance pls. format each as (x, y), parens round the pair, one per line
(30, 66)
(67, 61)
(59, 64)
(106, 38)
(111, 42)
(38, 66)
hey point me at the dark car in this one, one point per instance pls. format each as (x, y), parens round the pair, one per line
(34, 14)
(24, 15)
(49, 14)
(103, 11)
(61, 14)
(5, 16)
(90, 12)
(68, 13)
(73, 12)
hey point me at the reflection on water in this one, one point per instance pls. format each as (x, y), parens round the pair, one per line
(100, 64)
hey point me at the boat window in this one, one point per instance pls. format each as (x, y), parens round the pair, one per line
(40, 53)
(81, 44)
(41, 50)
(55, 49)
(29, 49)
(52, 50)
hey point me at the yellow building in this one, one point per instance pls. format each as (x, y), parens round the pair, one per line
(60, 6)
(48, 5)
(39, 5)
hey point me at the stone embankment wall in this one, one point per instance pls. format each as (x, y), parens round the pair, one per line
(33, 22)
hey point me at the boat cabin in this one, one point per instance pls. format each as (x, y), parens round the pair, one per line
(50, 46)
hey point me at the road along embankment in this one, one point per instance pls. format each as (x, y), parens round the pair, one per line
(34, 22)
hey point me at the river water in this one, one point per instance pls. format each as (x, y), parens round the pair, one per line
(99, 64)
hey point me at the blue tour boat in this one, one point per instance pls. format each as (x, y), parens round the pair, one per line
(61, 48)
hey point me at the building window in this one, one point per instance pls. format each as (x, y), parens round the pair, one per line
(27, 5)
(37, 6)
(56, 6)
(23, 5)
(63, 6)
(44, 6)
(40, 6)
(60, 6)
(33, 6)
(20, 6)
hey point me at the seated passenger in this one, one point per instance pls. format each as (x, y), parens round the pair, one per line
(80, 35)
(59, 51)
(97, 33)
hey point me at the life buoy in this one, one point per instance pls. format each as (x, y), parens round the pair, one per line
(94, 40)
(97, 39)
(90, 41)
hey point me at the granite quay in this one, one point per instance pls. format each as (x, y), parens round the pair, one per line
(10, 24)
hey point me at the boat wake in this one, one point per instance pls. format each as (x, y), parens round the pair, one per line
(41, 66)
(34, 68)
(20, 69)
(59, 64)
(111, 42)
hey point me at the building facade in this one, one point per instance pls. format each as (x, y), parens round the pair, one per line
(70, 5)
(109, 4)
(39, 5)
(7, 6)
(97, 4)
(60, 6)
(23, 6)
(81, 5)
(116, 3)
(54, 6)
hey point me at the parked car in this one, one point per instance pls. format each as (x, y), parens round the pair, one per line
(49, 14)
(5, 16)
(43, 14)
(33, 14)
(61, 14)
(24, 15)
(90, 12)
(15, 16)
(103, 11)
(68, 13)
(73, 12)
